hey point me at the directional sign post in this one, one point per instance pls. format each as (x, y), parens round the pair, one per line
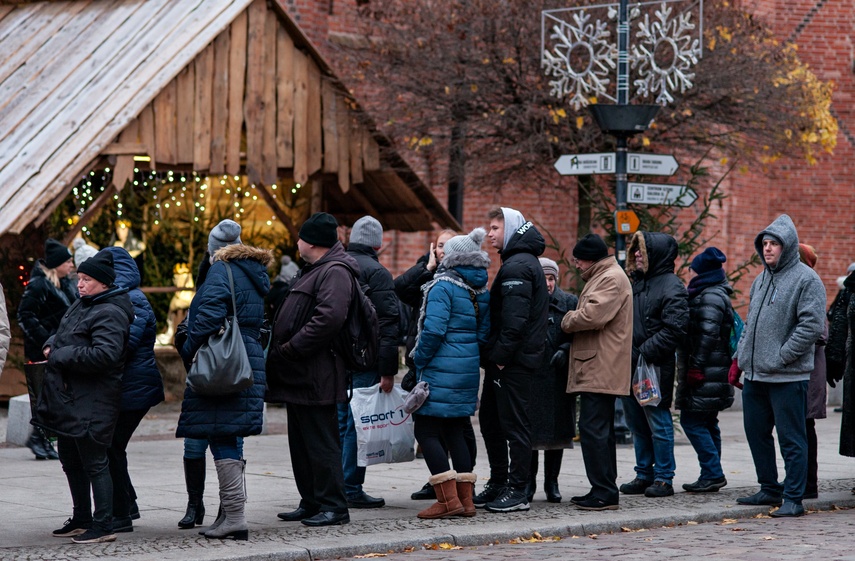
(660, 194)
(651, 164)
(586, 164)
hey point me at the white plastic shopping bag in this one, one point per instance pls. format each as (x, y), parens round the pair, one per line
(645, 383)
(384, 433)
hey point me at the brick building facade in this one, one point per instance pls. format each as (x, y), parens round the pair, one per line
(818, 197)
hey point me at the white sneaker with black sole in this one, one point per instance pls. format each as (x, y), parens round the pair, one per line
(510, 500)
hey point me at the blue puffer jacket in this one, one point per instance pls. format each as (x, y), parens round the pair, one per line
(142, 386)
(239, 414)
(447, 352)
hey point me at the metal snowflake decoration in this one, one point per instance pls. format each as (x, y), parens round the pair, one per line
(672, 39)
(580, 59)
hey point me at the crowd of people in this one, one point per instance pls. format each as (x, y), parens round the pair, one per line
(539, 350)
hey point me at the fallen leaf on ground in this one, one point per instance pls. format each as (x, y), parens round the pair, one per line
(370, 555)
(768, 538)
(449, 546)
(691, 523)
(729, 521)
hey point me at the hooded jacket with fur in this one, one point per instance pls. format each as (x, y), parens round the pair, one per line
(238, 414)
(786, 315)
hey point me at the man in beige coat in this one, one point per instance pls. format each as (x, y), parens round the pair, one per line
(599, 364)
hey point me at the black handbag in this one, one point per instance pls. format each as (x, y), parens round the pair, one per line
(221, 366)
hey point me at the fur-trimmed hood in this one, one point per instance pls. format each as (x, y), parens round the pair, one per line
(659, 250)
(240, 251)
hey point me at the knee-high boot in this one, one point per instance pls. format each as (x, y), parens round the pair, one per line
(465, 491)
(551, 468)
(194, 478)
(447, 503)
(233, 500)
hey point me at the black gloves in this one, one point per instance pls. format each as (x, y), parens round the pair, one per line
(559, 359)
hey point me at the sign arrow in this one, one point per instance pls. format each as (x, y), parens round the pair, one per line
(660, 194)
(651, 164)
(586, 164)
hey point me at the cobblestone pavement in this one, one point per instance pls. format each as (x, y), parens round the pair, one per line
(819, 535)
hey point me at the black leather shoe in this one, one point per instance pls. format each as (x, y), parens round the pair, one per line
(760, 498)
(297, 515)
(705, 485)
(593, 503)
(122, 525)
(659, 489)
(327, 519)
(635, 487)
(579, 498)
(363, 500)
(426, 493)
(789, 510)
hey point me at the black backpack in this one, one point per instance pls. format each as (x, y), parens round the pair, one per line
(358, 342)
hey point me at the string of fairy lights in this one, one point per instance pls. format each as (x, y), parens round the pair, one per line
(174, 189)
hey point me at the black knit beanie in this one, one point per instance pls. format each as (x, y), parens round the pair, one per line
(55, 254)
(591, 248)
(320, 229)
(99, 267)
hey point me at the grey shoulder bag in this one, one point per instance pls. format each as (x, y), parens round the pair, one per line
(221, 366)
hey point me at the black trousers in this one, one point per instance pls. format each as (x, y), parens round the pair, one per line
(436, 434)
(84, 462)
(505, 425)
(123, 490)
(316, 456)
(597, 436)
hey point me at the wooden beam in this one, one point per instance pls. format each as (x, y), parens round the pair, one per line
(355, 147)
(237, 84)
(269, 172)
(330, 127)
(343, 118)
(277, 210)
(284, 99)
(146, 120)
(186, 86)
(164, 125)
(315, 154)
(301, 128)
(316, 184)
(125, 148)
(90, 213)
(123, 171)
(254, 103)
(220, 103)
(203, 111)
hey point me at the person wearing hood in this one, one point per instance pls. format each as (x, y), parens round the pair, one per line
(703, 364)
(49, 293)
(142, 386)
(519, 308)
(840, 360)
(222, 420)
(304, 373)
(786, 317)
(366, 237)
(453, 325)
(81, 394)
(660, 321)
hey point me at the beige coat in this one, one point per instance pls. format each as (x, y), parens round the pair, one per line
(601, 324)
(5, 333)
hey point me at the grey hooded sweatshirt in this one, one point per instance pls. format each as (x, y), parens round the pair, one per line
(786, 315)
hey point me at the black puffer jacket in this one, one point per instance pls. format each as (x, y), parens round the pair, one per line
(41, 310)
(519, 303)
(660, 305)
(378, 285)
(83, 380)
(708, 349)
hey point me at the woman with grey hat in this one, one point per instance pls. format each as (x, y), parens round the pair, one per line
(454, 324)
(222, 420)
(49, 293)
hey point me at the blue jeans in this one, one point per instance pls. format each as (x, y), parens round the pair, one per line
(195, 448)
(653, 440)
(354, 476)
(701, 427)
(782, 407)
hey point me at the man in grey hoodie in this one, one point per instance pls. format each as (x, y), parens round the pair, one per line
(785, 318)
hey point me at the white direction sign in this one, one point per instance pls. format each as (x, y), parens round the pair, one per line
(651, 164)
(586, 164)
(660, 194)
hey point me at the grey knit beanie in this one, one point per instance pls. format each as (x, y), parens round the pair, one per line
(469, 243)
(550, 267)
(82, 251)
(225, 233)
(367, 231)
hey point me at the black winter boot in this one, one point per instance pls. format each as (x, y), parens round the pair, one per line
(551, 468)
(194, 478)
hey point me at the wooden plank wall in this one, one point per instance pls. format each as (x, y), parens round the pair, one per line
(251, 102)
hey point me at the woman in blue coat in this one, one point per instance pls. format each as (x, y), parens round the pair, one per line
(221, 420)
(142, 387)
(453, 326)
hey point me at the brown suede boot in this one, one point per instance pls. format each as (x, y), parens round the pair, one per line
(465, 490)
(447, 504)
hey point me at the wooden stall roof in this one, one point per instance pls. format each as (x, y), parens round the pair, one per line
(81, 79)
